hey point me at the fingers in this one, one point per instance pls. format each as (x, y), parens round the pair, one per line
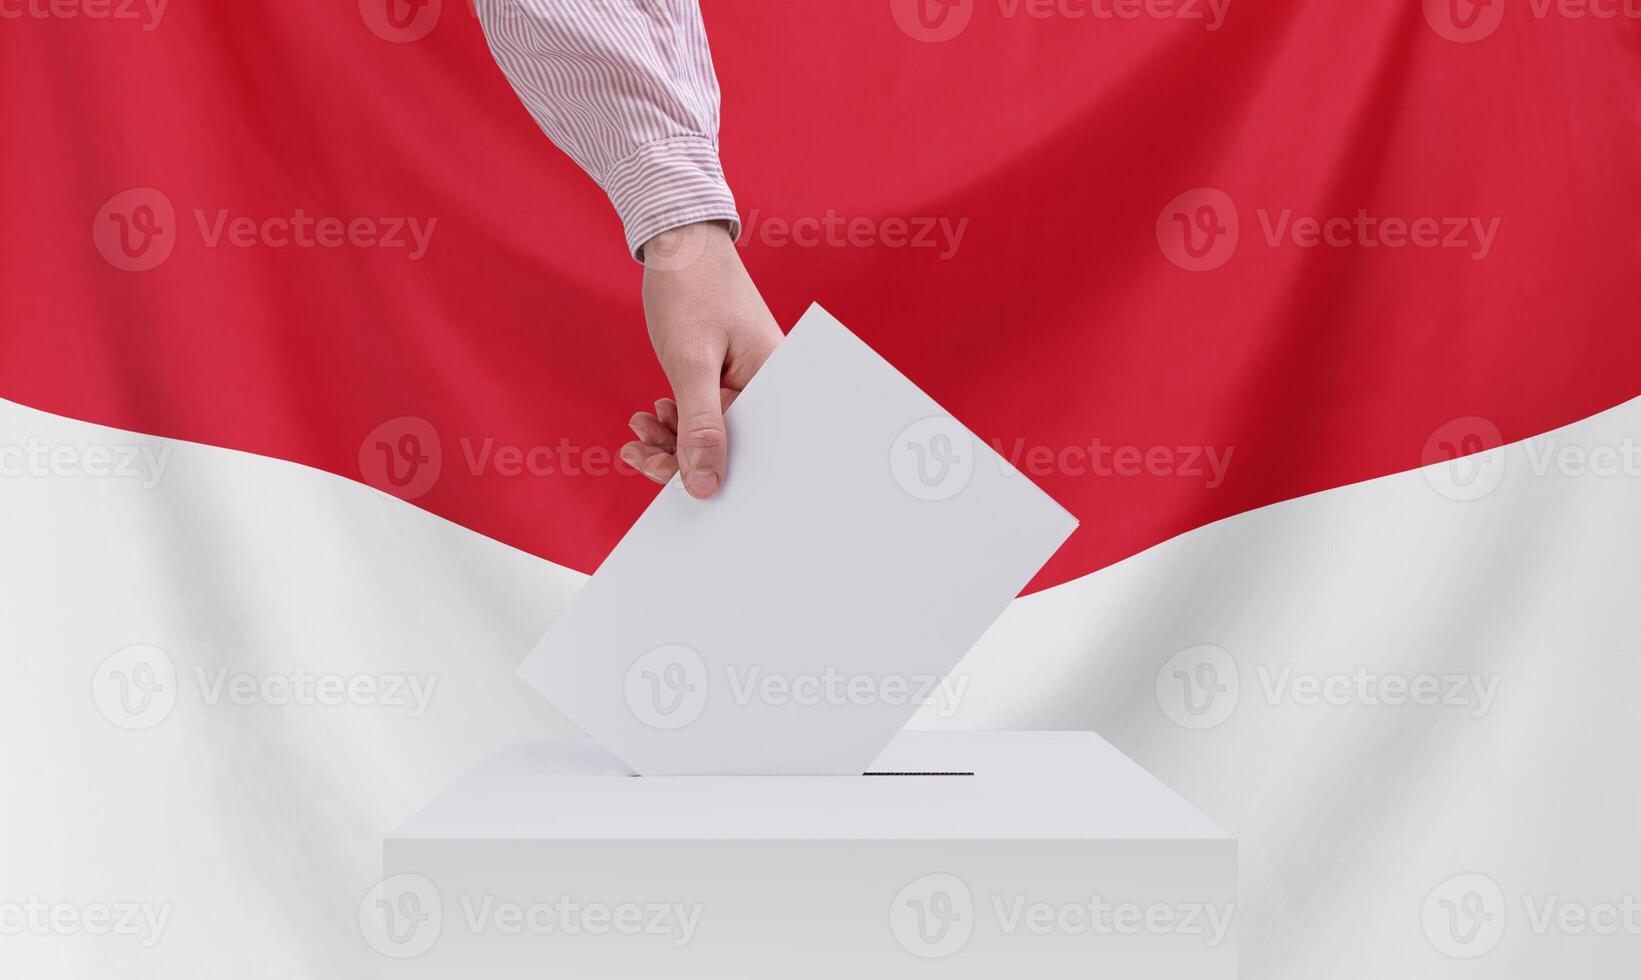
(654, 454)
(702, 441)
(657, 464)
(651, 431)
(667, 411)
(687, 432)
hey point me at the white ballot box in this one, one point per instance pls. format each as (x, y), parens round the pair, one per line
(962, 854)
(751, 655)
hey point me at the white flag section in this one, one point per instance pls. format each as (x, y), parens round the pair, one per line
(1412, 700)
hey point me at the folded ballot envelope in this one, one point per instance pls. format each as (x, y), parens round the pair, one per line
(862, 542)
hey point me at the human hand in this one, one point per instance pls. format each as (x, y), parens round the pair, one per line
(711, 332)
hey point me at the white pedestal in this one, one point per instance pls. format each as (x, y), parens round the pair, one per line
(1056, 857)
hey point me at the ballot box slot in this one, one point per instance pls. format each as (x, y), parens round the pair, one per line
(635, 775)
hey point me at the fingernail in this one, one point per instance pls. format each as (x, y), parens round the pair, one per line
(701, 485)
(636, 431)
(655, 469)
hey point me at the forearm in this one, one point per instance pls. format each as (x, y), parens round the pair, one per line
(628, 91)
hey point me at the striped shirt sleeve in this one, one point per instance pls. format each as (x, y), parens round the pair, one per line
(627, 89)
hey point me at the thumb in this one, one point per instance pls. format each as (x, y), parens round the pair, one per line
(702, 441)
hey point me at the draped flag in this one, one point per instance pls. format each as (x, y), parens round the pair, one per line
(1180, 262)
(1176, 267)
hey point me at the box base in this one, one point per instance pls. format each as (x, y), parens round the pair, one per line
(1087, 865)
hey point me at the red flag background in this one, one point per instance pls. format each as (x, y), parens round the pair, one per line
(1099, 234)
(1178, 259)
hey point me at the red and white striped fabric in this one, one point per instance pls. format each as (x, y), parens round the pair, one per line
(315, 355)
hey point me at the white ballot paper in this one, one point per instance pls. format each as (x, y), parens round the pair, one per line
(861, 543)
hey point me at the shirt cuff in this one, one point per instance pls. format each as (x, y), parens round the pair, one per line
(667, 184)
